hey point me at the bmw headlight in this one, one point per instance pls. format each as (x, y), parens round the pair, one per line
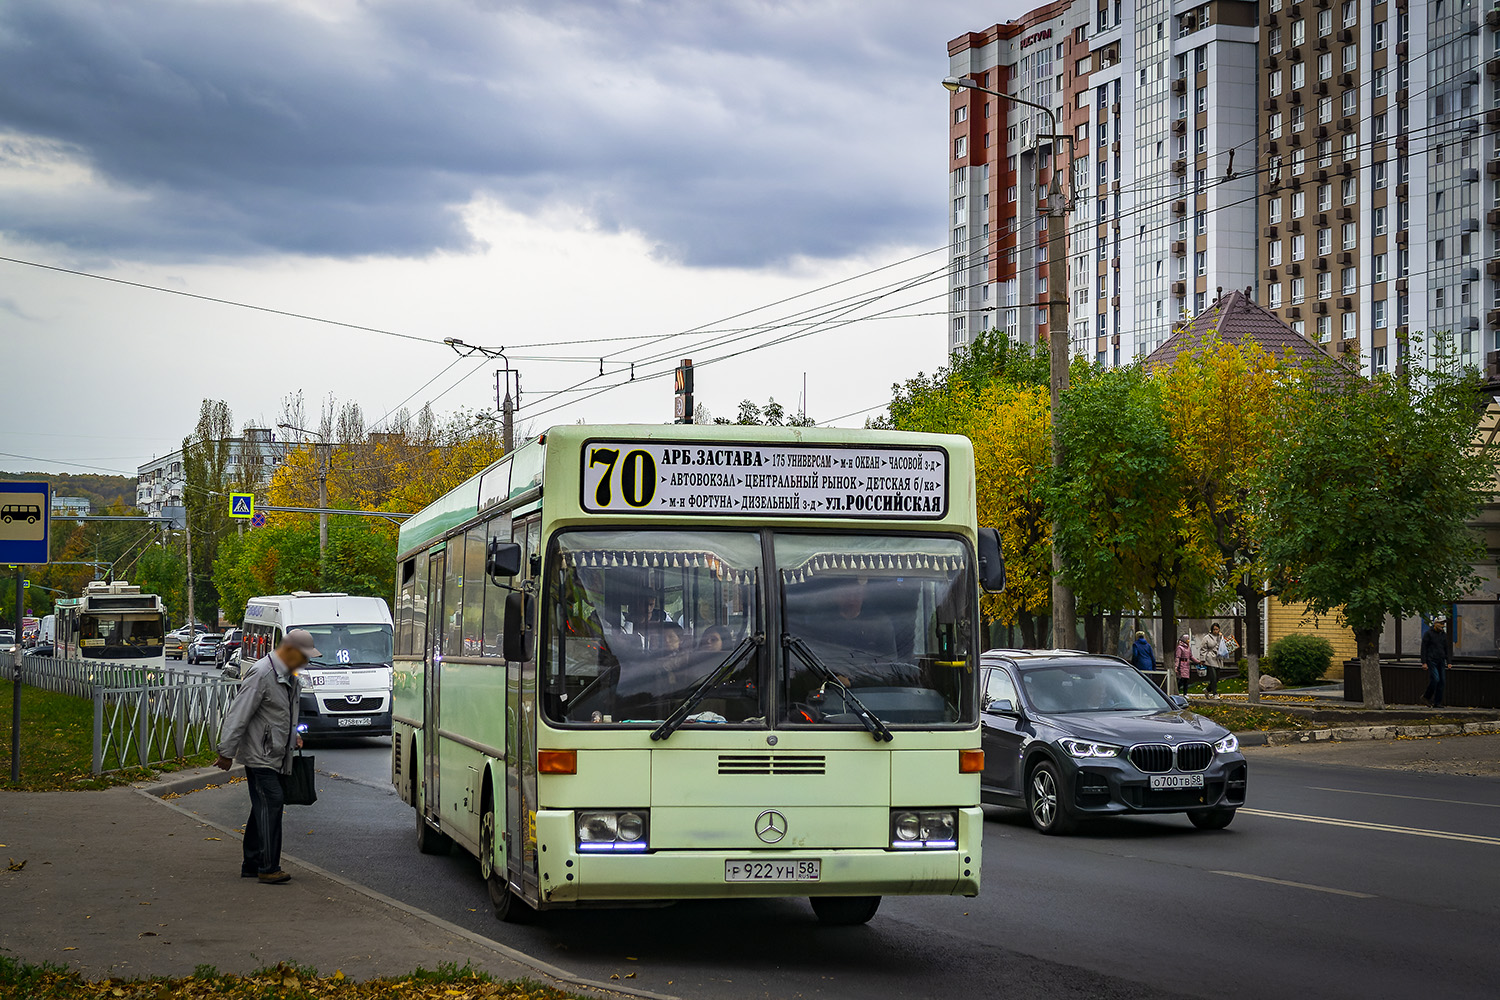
(1228, 744)
(1084, 749)
(614, 830)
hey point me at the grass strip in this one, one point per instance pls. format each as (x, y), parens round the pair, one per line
(283, 982)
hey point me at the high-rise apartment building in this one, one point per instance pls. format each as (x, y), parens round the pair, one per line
(1379, 206)
(1160, 103)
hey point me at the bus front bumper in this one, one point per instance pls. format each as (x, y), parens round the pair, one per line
(567, 877)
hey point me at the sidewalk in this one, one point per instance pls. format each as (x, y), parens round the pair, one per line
(118, 884)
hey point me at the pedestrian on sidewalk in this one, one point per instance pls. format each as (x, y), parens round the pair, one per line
(1437, 650)
(260, 732)
(1184, 662)
(1211, 652)
(1141, 653)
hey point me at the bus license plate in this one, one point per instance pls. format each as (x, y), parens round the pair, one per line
(773, 871)
(1161, 781)
(357, 720)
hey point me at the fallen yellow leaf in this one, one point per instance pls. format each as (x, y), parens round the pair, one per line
(70, 948)
(210, 838)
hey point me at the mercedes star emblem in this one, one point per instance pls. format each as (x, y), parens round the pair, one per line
(770, 826)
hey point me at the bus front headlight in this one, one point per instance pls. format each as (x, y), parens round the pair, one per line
(924, 829)
(615, 830)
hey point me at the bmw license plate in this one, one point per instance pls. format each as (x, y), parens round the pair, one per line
(364, 720)
(806, 870)
(1169, 781)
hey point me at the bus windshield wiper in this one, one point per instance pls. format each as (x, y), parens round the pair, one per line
(866, 717)
(726, 667)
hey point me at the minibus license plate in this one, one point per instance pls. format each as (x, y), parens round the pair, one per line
(357, 720)
(1160, 781)
(773, 871)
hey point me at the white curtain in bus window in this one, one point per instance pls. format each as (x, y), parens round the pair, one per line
(419, 608)
(889, 616)
(404, 617)
(475, 584)
(641, 619)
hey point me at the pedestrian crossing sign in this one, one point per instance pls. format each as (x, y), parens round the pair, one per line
(242, 505)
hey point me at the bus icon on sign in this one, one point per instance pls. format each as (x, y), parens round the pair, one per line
(13, 512)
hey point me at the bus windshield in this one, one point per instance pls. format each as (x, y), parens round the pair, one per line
(347, 645)
(120, 637)
(642, 618)
(887, 617)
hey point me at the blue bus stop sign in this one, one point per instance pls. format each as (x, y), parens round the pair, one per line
(24, 510)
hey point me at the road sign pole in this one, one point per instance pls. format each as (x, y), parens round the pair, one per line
(15, 692)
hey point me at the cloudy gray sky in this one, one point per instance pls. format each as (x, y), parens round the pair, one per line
(510, 173)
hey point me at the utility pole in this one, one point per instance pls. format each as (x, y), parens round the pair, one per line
(192, 615)
(323, 517)
(508, 418)
(1064, 610)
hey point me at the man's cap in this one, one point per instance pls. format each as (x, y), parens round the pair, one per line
(302, 639)
(1440, 620)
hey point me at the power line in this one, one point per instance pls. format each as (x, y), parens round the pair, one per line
(55, 461)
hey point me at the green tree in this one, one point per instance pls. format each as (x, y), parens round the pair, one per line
(1369, 489)
(208, 481)
(161, 570)
(1118, 499)
(992, 357)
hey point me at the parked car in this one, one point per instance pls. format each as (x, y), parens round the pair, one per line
(203, 647)
(42, 649)
(231, 666)
(7, 638)
(1069, 735)
(228, 647)
(174, 645)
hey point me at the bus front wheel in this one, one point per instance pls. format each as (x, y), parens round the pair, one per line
(845, 911)
(508, 906)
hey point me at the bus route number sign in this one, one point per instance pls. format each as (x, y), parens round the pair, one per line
(729, 479)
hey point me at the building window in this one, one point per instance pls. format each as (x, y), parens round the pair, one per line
(1010, 193)
(1377, 176)
(1299, 32)
(1298, 116)
(1325, 110)
(1325, 66)
(1201, 99)
(1299, 289)
(960, 114)
(1325, 23)
(1200, 223)
(960, 234)
(1351, 190)
(1200, 58)
(1377, 314)
(1325, 197)
(1349, 102)
(1351, 58)
(1273, 253)
(1200, 141)
(1350, 323)
(1325, 242)
(1379, 125)
(1200, 263)
(1273, 125)
(1273, 295)
(1299, 204)
(1350, 283)
(1440, 297)
(1299, 162)
(1440, 250)
(1351, 146)
(1325, 329)
(1299, 76)
(1274, 39)
(1351, 13)
(1275, 83)
(960, 327)
(1379, 223)
(1378, 266)
(1325, 152)
(960, 146)
(1274, 212)
(1325, 284)
(1299, 247)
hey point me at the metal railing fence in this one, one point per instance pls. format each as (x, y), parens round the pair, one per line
(143, 715)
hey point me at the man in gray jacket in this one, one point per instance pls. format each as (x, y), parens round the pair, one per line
(261, 733)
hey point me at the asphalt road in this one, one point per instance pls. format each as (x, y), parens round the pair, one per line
(1338, 880)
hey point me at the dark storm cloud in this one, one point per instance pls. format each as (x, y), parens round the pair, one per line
(726, 133)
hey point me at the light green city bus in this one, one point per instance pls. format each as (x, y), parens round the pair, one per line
(637, 664)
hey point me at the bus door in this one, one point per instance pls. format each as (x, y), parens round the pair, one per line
(520, 740)
(432, 660)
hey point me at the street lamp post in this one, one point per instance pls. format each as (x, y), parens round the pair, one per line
(1064, 611)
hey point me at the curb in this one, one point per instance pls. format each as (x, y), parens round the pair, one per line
(1288, 737)
(505, 951)
(194, 780)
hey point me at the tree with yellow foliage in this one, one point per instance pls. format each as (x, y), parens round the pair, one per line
(1221, 412)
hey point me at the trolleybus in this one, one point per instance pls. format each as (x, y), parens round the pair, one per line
(113, 622)
(639, 664)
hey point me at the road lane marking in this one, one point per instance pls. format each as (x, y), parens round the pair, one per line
(1414, 798)
(1468, 838)
(1297, 885)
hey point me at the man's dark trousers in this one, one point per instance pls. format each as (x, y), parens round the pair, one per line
(263, 828)
(1435, 678)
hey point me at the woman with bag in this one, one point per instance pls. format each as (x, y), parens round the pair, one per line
(1211, 652)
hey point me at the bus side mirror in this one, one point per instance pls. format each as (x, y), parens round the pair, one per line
(991, 562)
(503, 558)
(520, 641)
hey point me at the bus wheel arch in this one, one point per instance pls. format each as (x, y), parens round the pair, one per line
(508, 906)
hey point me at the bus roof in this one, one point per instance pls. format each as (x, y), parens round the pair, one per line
(555, 458)
(329, 607)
